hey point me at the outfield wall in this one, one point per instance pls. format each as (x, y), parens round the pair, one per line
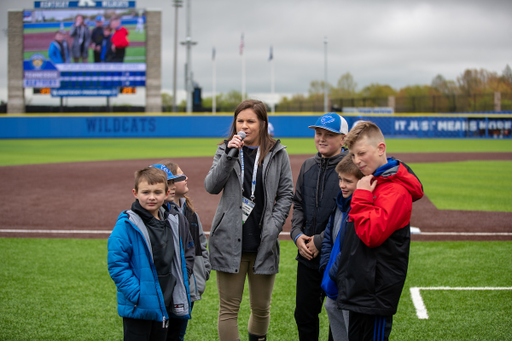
(294, 125)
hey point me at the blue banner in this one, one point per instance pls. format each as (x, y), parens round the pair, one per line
(84, 92)
(219, 126)
(83, 4)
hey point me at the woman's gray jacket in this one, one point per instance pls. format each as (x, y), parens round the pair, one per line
(226, 229)
(81, 35)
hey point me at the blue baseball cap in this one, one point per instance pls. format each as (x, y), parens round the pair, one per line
(99, 18)
(332, 122)
(170, 176)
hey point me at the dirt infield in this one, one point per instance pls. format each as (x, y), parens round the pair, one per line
(83, 200)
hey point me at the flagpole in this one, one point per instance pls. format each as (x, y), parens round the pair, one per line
(243, 77)
(243, 66)
(272, 88)
(214, 99)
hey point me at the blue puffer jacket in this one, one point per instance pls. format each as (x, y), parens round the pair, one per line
(131, 267)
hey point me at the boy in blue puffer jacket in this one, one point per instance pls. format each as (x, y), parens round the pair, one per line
(334, 236)
(150, 259)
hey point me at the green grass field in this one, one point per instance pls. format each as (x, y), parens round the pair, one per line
(18, 152)
(59, 289)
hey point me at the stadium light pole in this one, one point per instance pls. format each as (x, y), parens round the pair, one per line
(176, 4)
(189, 85)
(325, 75)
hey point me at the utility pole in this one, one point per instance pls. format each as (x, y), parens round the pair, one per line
(176, 4)
(188, 67)
(325, 76)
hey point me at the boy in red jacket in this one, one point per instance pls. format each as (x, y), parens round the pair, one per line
(119, 40)
(375, 253)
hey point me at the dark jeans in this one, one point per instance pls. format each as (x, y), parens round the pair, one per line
(308, 302)
(143, 330)
(364, 327)
(178, 327)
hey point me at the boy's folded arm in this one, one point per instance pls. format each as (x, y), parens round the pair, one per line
(375, 221)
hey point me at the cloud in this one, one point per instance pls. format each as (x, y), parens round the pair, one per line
(394, 42)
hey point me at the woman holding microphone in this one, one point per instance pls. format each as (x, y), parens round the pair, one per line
(255, 178)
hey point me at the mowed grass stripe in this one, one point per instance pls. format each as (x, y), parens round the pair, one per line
(62, 290)
(467, 185)
(34, 151)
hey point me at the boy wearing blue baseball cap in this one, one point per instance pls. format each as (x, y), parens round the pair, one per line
(150, 259)
(313, 202)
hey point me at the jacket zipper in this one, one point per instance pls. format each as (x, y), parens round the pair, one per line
(323, 167)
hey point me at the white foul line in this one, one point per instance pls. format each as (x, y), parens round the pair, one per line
(417, 300)
(56, 231)
(466, 233)
(282, 233)
(80, 231)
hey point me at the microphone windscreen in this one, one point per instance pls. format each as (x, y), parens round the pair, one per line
(241, 134)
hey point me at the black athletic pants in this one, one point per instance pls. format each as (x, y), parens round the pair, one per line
(362, 327)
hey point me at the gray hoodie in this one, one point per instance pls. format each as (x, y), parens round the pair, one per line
(202, 265)
(226, 231)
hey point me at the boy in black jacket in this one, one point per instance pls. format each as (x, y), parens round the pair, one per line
(313, 202)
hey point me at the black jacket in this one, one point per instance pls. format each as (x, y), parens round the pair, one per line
(375, 254)
(314, 199)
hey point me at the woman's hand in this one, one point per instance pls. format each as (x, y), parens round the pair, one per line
(236, 142)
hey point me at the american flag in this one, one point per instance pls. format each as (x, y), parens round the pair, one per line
(242, 45)
(271, 55)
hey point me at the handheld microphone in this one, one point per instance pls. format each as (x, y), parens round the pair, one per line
(233, 151)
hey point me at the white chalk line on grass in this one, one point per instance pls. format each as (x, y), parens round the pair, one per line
(55, 231)
(282, 233)
(78, 231)
(421, 309)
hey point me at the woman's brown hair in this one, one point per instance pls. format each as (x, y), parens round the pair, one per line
(259, 108)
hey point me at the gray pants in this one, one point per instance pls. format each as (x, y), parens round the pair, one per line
(338, 320)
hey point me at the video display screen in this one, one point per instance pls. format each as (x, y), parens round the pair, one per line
(84, 48)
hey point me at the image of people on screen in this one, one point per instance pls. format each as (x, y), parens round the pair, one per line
(119, 40)
(58, 52)
(81, 40)
(105, 46)
(97, 38)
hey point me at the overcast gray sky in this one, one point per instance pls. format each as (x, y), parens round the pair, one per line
(392, 42)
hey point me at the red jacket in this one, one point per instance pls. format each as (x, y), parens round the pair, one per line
(377, 215)
(119, 38)
(375, 253)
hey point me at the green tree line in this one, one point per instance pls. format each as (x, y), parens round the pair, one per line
(472, 90)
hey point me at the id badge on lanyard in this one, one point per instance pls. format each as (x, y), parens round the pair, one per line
(248, 204)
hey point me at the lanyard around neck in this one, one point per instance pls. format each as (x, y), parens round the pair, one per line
(254, 172)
